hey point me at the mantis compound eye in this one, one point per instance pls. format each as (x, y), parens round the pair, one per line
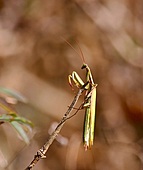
(84, 66)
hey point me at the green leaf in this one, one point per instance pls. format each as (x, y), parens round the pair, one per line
(14, 94)
(14, 117)
(23, 120)
(7, 109)
(20, 131)
(6, 118)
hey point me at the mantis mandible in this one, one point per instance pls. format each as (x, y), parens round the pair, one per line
(89, 100)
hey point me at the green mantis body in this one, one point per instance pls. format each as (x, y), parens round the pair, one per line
(89, 104)
(89, 99)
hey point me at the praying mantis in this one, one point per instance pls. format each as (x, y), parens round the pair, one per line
(89, 100)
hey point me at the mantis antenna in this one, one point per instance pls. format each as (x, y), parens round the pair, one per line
(79, 54)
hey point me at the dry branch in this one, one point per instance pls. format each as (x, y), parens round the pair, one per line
(41, 152)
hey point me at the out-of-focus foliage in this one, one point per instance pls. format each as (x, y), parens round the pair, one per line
(11, 93)
(35, 61)
(11, 116)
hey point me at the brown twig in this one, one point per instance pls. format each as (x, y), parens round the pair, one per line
(41, 152)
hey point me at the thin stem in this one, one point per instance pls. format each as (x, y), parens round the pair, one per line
(41, 152)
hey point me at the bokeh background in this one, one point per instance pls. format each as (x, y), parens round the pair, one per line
(35, 61)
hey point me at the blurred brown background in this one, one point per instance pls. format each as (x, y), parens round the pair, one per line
(35, 61)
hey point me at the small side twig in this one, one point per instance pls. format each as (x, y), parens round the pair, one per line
(41, 152)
